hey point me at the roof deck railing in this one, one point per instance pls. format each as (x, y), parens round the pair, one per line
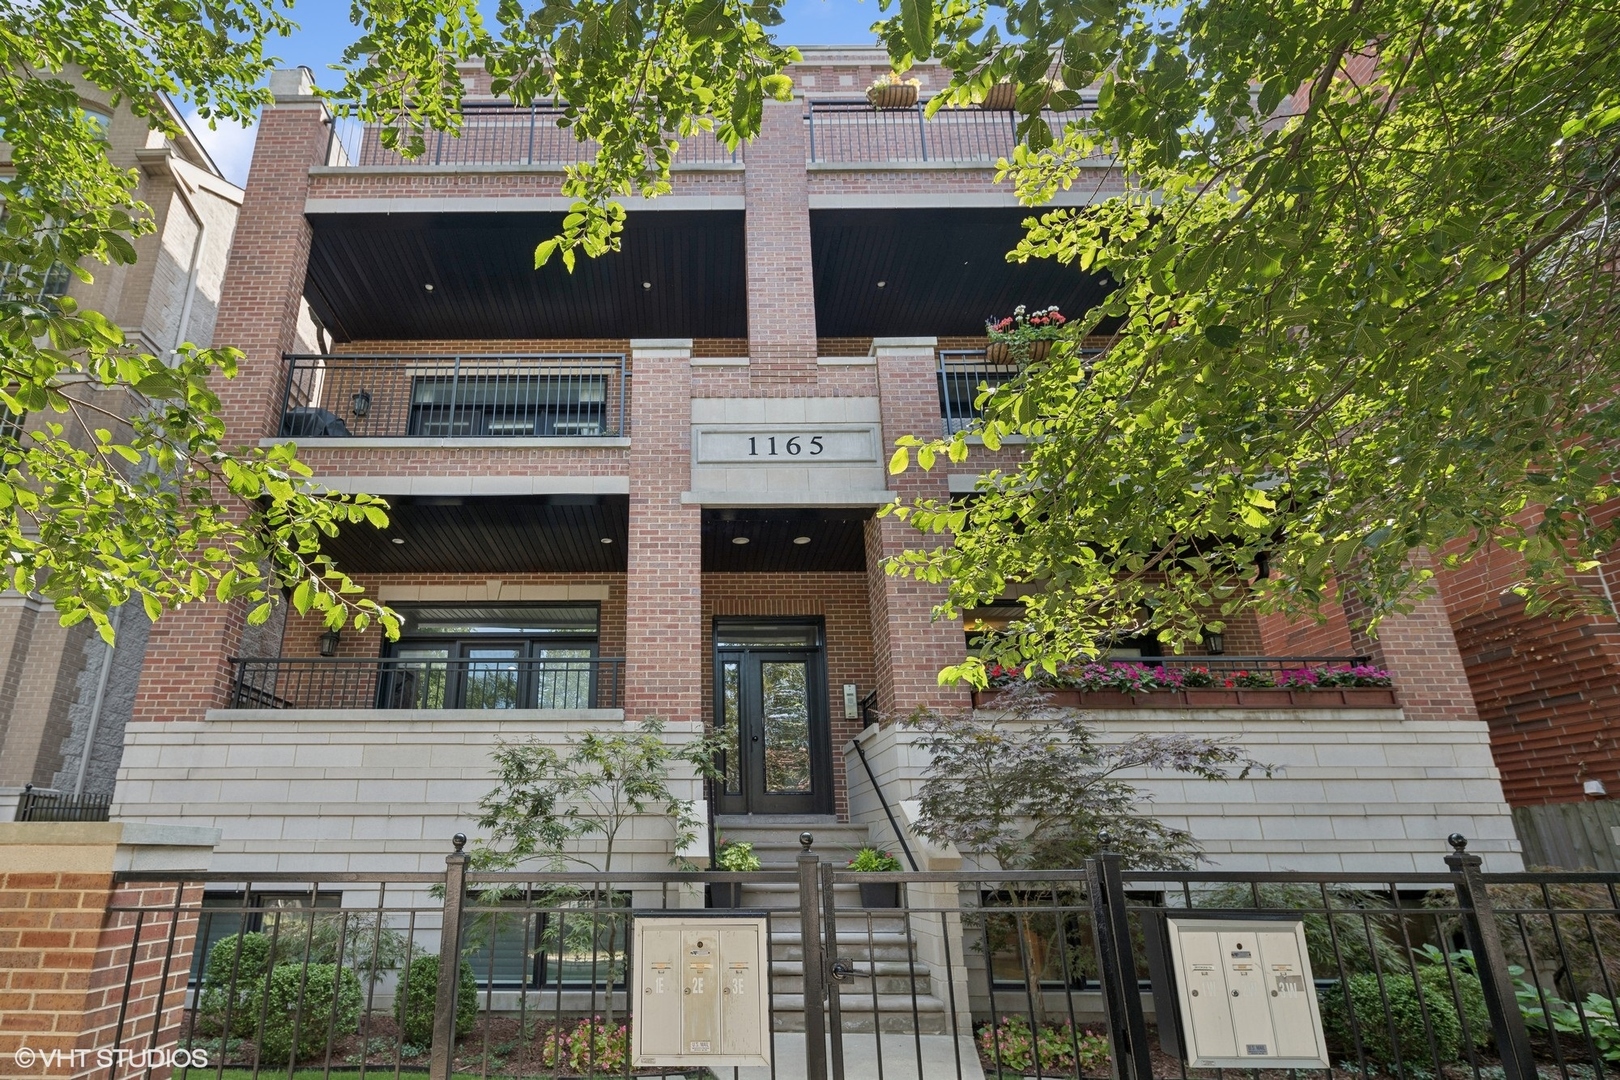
(500, 133)
(854, 131)
(517, 395)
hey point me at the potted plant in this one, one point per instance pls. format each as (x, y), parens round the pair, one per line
(1000, 98)
(738, 858)
(1023, 336)
(890, 91)
(877, 894)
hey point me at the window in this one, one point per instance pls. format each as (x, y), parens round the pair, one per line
(533, 656)
(225, 915)
(26, 282)
(568, 941)
(527, 401)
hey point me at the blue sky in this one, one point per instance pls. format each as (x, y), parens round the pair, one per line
(324, 31)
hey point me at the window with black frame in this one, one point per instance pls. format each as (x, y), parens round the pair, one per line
(564, 941)
(493, 656)
(525, 401)
(223, 916)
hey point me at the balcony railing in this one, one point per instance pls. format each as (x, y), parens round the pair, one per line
(319, 682)
(854, 131)
(455, 397)
(963, 375)
(500, 133)
(48, 805)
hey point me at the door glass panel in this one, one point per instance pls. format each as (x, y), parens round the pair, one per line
(561, 685)
(417, 680)
(492, 677)
(731, 721)
(785, 708)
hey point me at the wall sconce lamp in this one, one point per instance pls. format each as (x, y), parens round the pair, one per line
(1215, 642)
(360, 403)
(329, 643)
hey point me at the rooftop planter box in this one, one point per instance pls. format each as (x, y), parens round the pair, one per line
(1349, 697)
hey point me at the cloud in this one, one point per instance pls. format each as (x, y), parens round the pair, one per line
(230, 146)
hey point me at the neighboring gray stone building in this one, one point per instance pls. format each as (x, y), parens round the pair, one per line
(59, 685)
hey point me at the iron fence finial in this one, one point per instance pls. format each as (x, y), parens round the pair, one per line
(460, 841)
(1458, 842)
(805, 840)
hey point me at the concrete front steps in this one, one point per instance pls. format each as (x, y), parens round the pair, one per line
(876, 942)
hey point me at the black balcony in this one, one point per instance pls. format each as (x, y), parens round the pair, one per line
(964, 374)
(852, 131)
(500, 133)
(455, 397)
(319, 682)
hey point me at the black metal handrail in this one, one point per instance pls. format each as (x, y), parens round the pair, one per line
(501, 133)
(47, 805)
(854, 130)
(963, 375)
(333, 682)
(506, 395)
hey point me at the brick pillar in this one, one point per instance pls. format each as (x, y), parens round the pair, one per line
(67, 931)
(781, 281)
(909, 645)
(186, 671)
(1420, 651)
(664, 586)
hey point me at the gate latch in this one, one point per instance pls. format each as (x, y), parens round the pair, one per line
(843, 970)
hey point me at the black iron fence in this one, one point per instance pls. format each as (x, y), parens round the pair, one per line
(37, 804)
(519, 395)
(856, 131)
(1452, 973)
(500, 133)
(334, 682)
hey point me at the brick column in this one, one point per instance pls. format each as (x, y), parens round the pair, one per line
(781, 281)
(909, 644)
(1420, 651)
(664, 587)
(67, 953)
(186, 671)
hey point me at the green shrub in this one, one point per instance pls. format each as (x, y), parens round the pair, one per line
(1396, 1007)
(1468, 996)
(245, 956)
(303, 1004)
(413, 1006)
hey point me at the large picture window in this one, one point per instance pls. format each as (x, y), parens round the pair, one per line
(524, 402)
(530, 656)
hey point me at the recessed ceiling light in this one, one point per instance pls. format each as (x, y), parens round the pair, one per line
(646, 284)
(801, 539)
(607, 539)
(739, 539)
(399, 539)
(882, 283)
(428, 285)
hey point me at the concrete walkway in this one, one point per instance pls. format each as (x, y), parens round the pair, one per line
(939, 1058)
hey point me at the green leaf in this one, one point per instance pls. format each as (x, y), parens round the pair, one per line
(1222, 336)
(917, 17)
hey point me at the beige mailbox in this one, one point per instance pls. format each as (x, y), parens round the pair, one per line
(700, 995)
(1246, 995)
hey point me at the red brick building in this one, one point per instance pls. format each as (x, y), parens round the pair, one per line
(648, 489)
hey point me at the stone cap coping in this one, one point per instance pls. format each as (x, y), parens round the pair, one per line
(103, 846)
(661, 343)
(903, 343)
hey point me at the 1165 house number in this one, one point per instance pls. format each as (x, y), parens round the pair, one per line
(791, 446)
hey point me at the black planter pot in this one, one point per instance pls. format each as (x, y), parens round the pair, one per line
(879, 894)
(725, 894)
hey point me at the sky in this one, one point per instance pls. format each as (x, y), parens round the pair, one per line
(324, 31)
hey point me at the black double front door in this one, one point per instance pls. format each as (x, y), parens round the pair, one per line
(770, 686)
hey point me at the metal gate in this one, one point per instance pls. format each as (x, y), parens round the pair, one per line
(927, 976)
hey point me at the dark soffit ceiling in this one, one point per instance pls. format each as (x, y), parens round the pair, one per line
(944, 272)
(367, 272)
(837, 540)
(508, 534)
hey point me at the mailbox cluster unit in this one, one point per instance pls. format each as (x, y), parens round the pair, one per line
(700, 995)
